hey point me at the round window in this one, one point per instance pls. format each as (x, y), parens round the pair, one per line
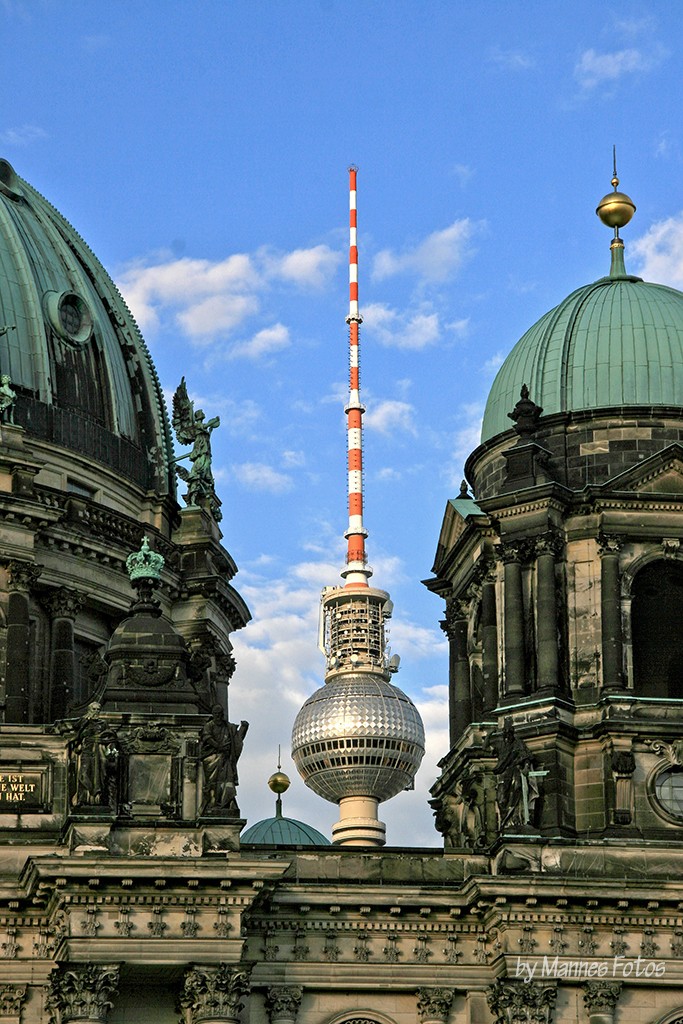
(69, 316)
(669, 792)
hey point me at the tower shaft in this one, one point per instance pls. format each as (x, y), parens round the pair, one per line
(357, 571)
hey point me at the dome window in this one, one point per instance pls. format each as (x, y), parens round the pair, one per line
(69, 316)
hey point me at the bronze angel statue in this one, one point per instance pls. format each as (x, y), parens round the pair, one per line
(191, 428)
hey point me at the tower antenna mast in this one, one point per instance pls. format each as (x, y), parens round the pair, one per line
(357, 571)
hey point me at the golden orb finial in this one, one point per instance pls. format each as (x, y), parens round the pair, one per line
(616, 208)
(279, 782)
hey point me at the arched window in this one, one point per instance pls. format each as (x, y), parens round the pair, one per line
(657, 630)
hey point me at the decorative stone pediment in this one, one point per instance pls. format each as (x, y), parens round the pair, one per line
(660, 474)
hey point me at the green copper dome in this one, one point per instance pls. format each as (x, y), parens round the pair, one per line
(82, 373)
(279, 831)
(617, 342)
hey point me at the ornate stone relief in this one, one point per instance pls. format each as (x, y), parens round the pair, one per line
(601, 995)
(11, 1000)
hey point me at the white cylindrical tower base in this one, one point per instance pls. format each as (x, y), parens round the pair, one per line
(358, 823)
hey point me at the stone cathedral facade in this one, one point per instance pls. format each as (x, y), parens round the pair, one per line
(128, 892)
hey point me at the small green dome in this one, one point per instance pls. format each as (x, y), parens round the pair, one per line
(279, 831)
(614, 343)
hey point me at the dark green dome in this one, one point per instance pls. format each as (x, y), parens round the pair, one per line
(617, 342)
(279, 831)
(82, 372)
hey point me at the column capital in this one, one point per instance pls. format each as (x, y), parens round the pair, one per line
(550, 543)
(214, 993)
(528, 1002)
(63, 603)
(82, 992)
(434, 1004)
(23, 575)
(283, 1002)
(609, 544)
(11, 1000)
(601, 995)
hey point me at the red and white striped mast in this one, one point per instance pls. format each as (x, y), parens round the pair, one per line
(357, 571)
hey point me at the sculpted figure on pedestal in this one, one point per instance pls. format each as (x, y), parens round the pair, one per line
(221, 744)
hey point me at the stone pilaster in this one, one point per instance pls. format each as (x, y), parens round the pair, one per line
(21, 578)
(610, 607)
(11, 1002)
(82, 992)
(515, 1002)
(63, 605)
(513, 604)
(283, 1002)
(460, 695)
(600, 999)
(214, 993)
(434, 1005)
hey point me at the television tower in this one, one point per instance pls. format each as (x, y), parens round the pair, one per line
(359, 739)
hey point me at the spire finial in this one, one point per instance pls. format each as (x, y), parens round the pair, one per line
(278, 783)
(615, 179)
(615, 210)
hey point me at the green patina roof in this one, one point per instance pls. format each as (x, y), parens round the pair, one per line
(616, 342)
(279, 831)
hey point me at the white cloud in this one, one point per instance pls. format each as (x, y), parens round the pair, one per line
(463, 173)
(409, 330)
(658, 254)
(389, 416)
(294, 458)
(209, 299)
(257, 476)
(467, 437)
(24, 135)
(594, 69)
(387, 474)
(511, 60)
(313, 267)
(437, 258)
(264, 343)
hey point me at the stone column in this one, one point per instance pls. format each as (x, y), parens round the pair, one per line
(63, 606)
(434, 1005)
(460, 696)
(212, 994)
(11, 1002)
(600, 999)
(21, 577)
(283, 1002)
(546, 612)
(610, 604)
(522, 1002)
(489, 640)
(513, 605)
(82, 992)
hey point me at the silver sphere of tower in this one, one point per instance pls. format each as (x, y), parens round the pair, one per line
(358, 735)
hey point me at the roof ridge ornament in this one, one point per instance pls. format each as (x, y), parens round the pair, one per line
(615, 210)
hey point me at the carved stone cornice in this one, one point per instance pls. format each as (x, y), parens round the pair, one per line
(434, 1004)
(63, 603)
(601, 995)
(283, 1002)
(214, 993)
(23, 575)
(11, 1000)
(529, 1002)
(83, 992)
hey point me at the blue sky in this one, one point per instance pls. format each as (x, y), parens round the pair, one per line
(201, 148)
